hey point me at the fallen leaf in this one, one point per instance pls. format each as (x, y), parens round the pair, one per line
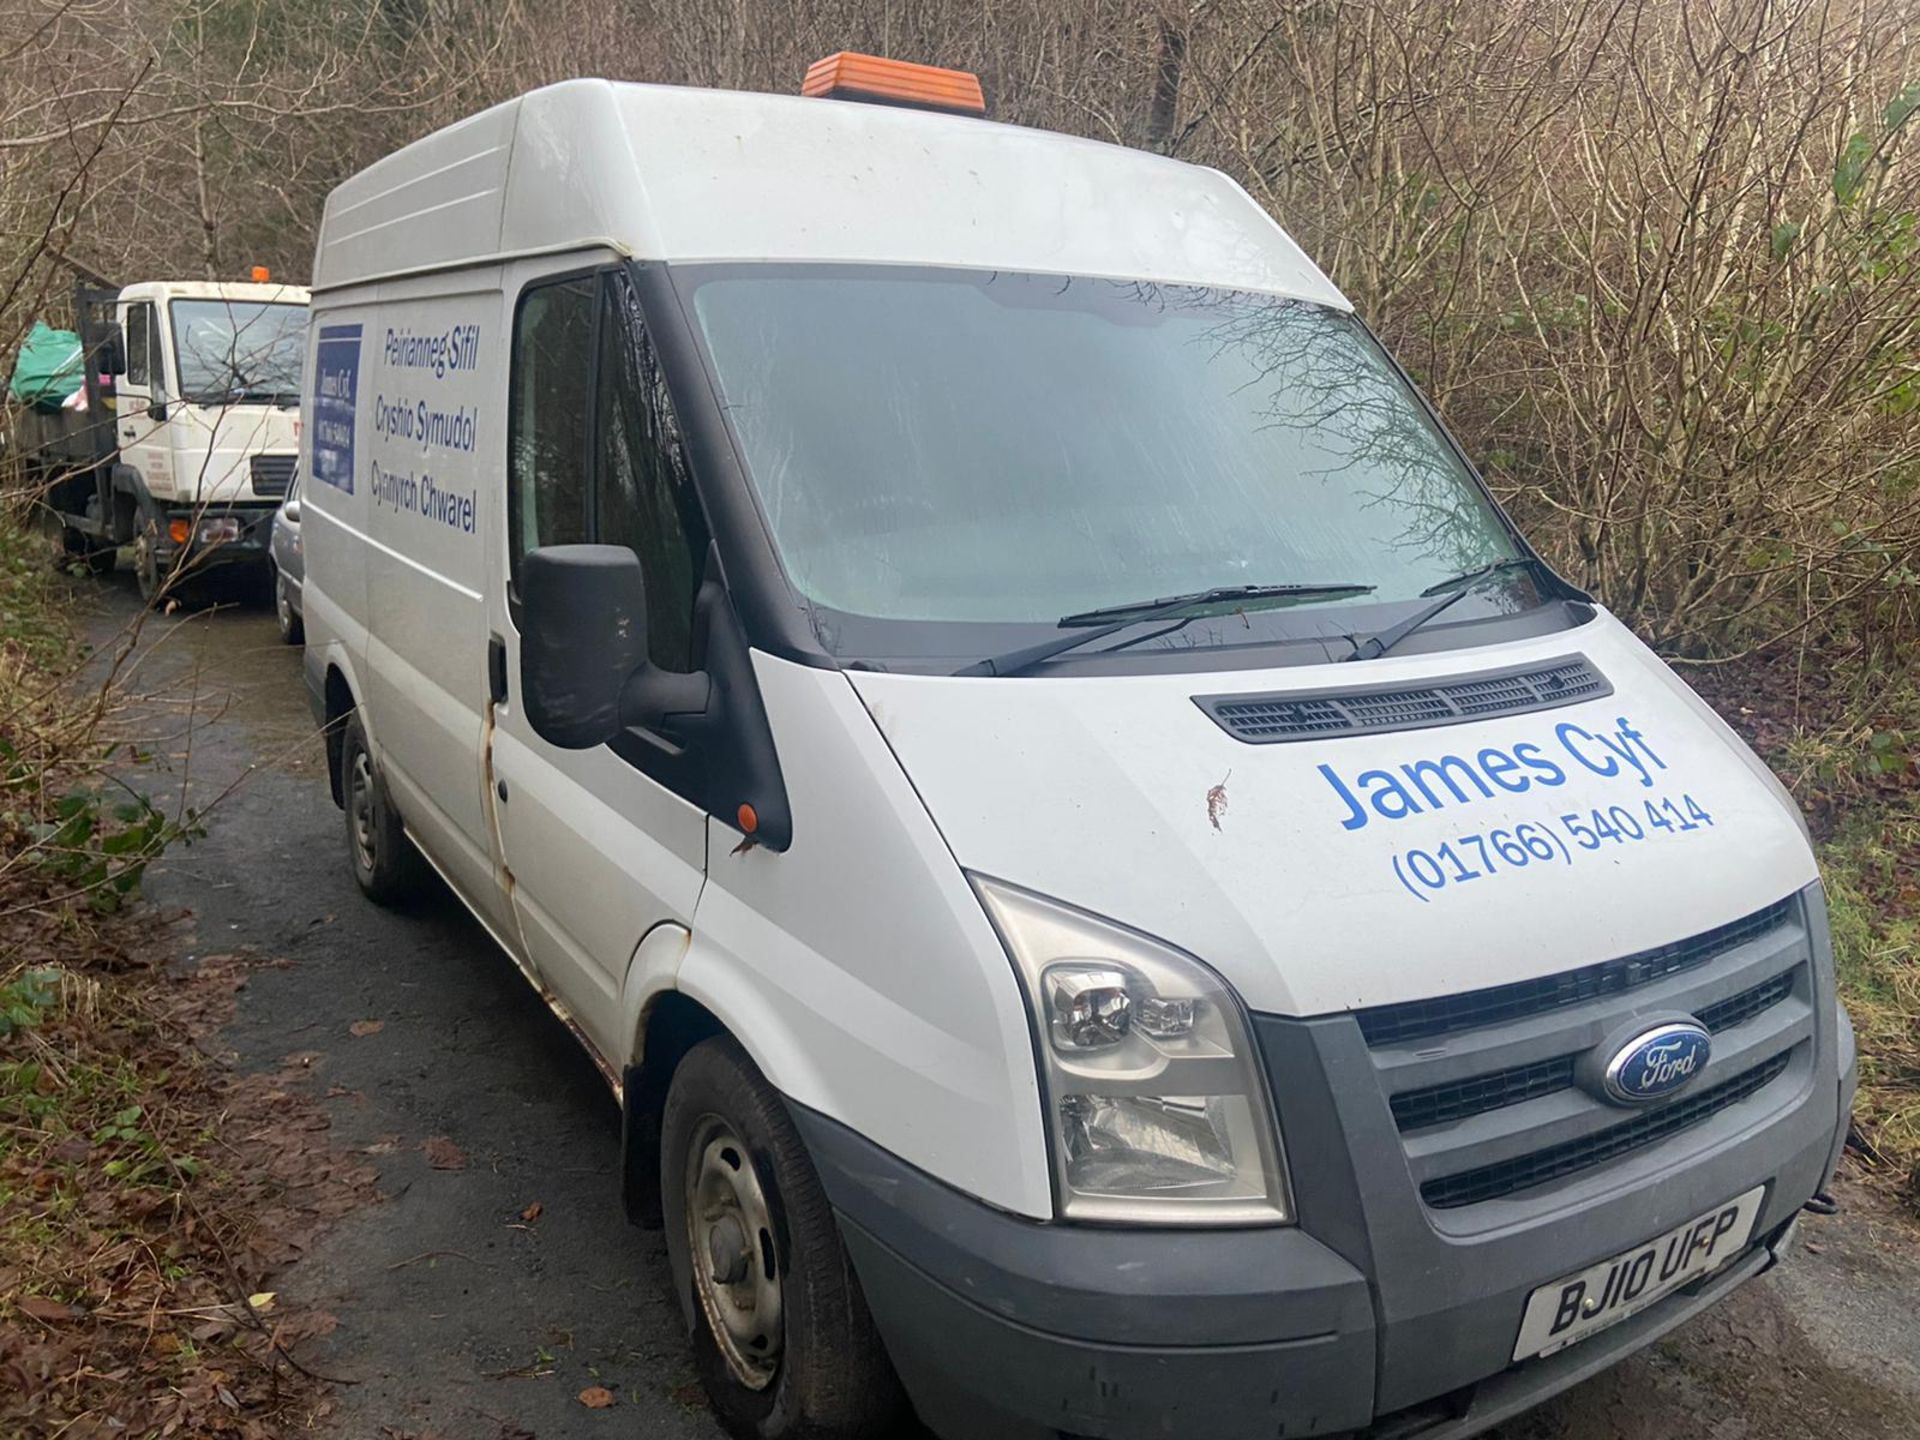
(596, 1397)
(1217, 801)
(382, 1147)
(532, 1212)
(443, 1154)
(262, 1302)
(45, 1307)
(361, 1028)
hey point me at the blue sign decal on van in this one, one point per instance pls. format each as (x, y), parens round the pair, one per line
(336, 393)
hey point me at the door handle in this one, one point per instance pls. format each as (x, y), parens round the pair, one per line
(496, 670)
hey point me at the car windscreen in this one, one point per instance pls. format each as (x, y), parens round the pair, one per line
(967, 451)
(231, 351)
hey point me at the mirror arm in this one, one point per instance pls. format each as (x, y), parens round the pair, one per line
(653, 696)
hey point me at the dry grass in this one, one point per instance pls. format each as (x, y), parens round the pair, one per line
(1849, 754)
(1873, 886)
(146, 1192)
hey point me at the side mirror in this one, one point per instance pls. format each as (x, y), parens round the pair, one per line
(292, 510)
(113, 352)
(584, 672)
(156, 410)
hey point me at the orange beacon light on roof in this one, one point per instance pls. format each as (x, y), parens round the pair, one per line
(851, 76)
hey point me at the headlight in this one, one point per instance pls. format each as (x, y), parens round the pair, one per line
(1156, 1102)
(219, 531)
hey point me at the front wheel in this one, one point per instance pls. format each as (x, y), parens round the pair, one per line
(384, 862)
(292, 628)
(781, 1334)
(146, 561)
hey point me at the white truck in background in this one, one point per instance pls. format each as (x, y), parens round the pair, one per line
(183, 435)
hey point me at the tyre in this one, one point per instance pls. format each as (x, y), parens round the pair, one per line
(384, 862)
(293, 629)
(781, 1334)
(146, 561)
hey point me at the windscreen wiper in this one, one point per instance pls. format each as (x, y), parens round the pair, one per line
(1111, 619)
(1372, 647)
(1494, 567)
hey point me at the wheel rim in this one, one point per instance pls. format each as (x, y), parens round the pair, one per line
(146, 568)
(281, 607)
(736, 1270)
(360, 808)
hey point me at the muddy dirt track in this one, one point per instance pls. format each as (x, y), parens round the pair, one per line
(459, 1320)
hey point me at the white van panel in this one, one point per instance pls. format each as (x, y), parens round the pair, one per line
(671, 173)
(858, 968)
(333, 503)
(435, 202)
(1088, 788)
(427, 426)
(600, 854)
(732, 176)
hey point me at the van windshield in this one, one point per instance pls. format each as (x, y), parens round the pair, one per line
(238, 350)
(1008, 449)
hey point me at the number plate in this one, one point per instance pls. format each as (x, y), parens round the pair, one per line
(1580, 1305)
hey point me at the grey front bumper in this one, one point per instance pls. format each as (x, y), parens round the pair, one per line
(1377, 1313)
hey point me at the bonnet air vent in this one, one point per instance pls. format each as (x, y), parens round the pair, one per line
(1370, 709)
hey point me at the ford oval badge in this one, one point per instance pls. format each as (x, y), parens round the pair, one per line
(1657, 1062)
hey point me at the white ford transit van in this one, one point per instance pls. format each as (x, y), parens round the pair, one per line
(1118, 894)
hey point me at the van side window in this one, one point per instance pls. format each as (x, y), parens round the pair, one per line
(550, 399)
(644, 493)
(139, 322)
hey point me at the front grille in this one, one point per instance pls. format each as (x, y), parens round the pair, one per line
(1443, 1104)
(1461, 1099)
(1370, 709)
(272, 474)
(1736, 1010)
(1490, 1182)
(1442, 1015)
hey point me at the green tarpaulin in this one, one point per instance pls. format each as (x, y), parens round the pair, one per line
(49, 368)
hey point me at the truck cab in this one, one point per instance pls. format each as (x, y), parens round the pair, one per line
(190, 426)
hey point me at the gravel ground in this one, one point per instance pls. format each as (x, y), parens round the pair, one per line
(461, 1319)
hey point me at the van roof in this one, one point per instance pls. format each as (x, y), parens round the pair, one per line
(678, 174)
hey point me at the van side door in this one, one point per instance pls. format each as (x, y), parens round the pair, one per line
(596, 852)
(420, 367)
